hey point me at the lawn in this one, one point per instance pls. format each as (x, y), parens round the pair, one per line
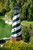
(5, 30)
(27, 23)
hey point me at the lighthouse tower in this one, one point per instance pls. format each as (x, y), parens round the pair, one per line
(16, 27)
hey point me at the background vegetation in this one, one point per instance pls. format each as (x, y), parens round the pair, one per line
(26, 8)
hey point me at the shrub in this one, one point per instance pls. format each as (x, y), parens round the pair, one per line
(31, 40)
(25, 34)
(21, 45)
(9, 14)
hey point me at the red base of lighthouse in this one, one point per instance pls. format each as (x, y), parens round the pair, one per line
(16, 39)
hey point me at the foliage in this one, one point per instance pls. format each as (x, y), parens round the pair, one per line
(25, 34)
(31, 11)
(26, 27)
(7, 5)
(26, 8)
(31, 40)
(9, 14)
(18, 45)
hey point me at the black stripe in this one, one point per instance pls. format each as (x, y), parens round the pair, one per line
(15, 14)
(16, 19)
(20, 35)
(16, 32)
(16, 25)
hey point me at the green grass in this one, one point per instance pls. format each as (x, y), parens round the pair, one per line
(28, 23)
(5, 30)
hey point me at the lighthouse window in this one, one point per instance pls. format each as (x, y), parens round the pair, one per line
(16, 11)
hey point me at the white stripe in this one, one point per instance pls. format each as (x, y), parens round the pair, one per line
(15, 35)
(15, 23)
(16, 16)
(17, 28)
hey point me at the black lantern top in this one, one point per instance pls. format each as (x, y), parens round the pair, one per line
(16, 8)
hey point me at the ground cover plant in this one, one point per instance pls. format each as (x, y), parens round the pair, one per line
(18, 45)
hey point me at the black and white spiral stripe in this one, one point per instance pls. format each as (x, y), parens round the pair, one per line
(16, 27)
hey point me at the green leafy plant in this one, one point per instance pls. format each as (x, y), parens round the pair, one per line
(25, 34)
(17, 45)
(31, 40)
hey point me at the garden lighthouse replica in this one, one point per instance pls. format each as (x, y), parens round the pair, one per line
(16, 27)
